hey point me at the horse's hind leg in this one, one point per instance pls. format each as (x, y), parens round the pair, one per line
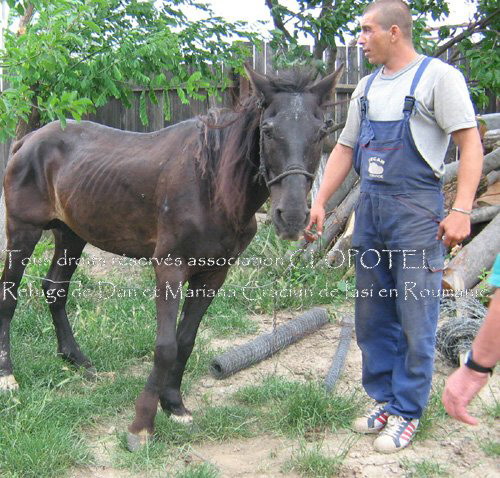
(68, 249)
(21, 240)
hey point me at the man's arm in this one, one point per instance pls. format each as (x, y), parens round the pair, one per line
(456, 226)
(337, 168)
(464, 384)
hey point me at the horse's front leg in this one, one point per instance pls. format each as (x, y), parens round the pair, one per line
(202, 287)
(169, 281)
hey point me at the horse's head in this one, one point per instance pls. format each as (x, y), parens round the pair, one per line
(292, 129)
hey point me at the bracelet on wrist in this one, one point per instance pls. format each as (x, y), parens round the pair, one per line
(470, 363)
(463, 211)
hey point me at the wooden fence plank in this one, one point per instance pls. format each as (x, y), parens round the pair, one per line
(342, 60)
(353, 68)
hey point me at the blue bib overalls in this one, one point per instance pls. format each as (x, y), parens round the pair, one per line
(399, 262)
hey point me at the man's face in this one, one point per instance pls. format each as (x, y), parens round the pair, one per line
(374, 40)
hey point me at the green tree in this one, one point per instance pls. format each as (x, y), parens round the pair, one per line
(329, 23)
(69, 57)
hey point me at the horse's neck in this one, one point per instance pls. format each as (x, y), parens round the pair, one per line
(258, 192)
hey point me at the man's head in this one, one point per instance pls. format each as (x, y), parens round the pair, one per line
(386, 25)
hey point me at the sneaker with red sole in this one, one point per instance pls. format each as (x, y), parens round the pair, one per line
(396, 435)
(372, 421)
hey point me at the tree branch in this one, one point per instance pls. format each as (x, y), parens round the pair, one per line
(25, 20)
(320, 44)
(277, 19)
(471, 29)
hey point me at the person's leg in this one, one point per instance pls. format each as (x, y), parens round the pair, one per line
(377, 327)
(418, 277)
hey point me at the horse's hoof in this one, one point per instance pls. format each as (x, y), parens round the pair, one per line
(8, 384)
(185, 419)
(136, 441)
(90, 373)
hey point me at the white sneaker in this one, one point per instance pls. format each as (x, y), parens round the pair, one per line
(396, 435)
(372, 421)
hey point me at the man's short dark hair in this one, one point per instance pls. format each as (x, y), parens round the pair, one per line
(392, 12)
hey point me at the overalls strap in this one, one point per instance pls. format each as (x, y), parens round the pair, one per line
(410, 99)
(370, 81)
(364, 100)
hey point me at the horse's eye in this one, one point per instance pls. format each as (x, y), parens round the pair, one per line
(267, 129)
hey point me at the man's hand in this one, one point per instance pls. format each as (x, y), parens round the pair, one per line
(317, 218)
(454, 228)
(461, 387)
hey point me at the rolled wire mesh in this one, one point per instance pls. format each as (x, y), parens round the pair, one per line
(264, 346)
(340, 354)
(461, 319)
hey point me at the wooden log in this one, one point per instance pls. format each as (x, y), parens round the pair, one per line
(491, 140)
(340, 249)
(491, 162)
(491, 120)
(484, 214)
(334, 224)
(343, 190)
(491, 197)
(464, 270)
(492, 177)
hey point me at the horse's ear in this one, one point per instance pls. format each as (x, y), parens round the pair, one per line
(260, 84)
(323, 89)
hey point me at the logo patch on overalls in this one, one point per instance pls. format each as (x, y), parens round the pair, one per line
(376, 167)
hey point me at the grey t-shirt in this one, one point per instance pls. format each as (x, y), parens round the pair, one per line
(442, 106)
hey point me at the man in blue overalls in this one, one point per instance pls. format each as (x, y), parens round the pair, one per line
(396, 135)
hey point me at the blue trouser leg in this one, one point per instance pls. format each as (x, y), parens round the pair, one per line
(417, 303)
(377, 331)
(396, 324)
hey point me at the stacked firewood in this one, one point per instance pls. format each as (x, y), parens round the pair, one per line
(469, 263)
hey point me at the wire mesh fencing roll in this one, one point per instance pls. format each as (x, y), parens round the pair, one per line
(461, 319)
(264, 346)
(340, 354)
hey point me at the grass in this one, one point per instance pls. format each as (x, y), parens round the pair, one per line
(433, 415)
(491, 410)
(199, 471)
(313, 462)
(295, 409)
(272, 275)
(423, 469)
(44, 427)
(491, 448)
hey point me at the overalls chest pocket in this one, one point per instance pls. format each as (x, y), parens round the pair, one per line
(381, 159)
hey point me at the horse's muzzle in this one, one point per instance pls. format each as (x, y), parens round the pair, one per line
(290, 224)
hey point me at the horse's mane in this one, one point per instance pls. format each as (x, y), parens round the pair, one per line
(228, 152)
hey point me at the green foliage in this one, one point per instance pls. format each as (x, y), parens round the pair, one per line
(74, 56)
(481, 52)
(326, 22)
(329, 23)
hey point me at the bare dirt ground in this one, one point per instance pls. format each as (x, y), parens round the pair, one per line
(454, 446)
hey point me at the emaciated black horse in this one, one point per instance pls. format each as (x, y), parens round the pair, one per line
(187, 191)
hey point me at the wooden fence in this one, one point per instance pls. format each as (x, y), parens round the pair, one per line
(115, 114)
